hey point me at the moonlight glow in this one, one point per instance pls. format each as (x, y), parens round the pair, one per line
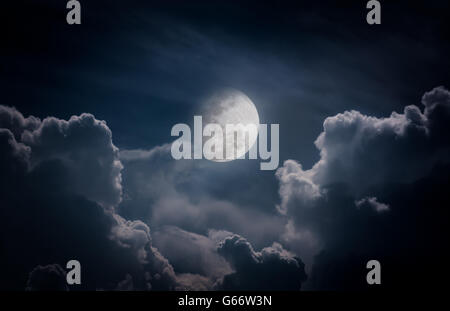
(233, 107)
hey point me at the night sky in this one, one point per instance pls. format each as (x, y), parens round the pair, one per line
(86, 171)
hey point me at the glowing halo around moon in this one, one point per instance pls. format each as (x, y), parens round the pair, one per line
(232, 107)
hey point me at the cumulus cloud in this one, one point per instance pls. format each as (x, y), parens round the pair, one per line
(302, 241)
(369, 166)
(363, 152)
(12, 119)
(61, 184)
(273, 268)
(14, 159)
(132, 234)
(84, 145)
(296, 184)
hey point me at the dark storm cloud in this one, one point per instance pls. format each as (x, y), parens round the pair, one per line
(60, 183)
(14, 156)
(273, 268)
(84, 144)
(374, 194)
(13, 120)
(363, 151)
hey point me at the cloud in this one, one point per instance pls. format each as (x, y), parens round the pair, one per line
(224, 260)
(364, 152)
(85, 146)
(273, 268)
(368, 187)
(296, 184)
(372, 203)
(126, 284)
(60, 187)
(134, 235)
(165, 192)
(192, 253)
(12, 119)
(47, 278)
(188, 281)
(354, 147)
(14, 159)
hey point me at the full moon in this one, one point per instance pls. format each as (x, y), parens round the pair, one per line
(233, 107)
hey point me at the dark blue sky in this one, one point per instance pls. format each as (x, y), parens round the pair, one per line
(144, 66)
